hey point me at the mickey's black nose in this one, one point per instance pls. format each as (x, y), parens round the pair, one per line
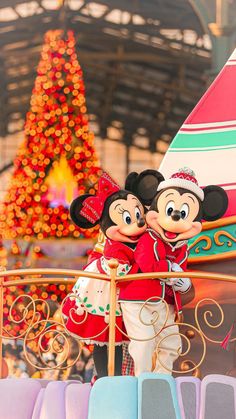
(176, 215)
(141, 222)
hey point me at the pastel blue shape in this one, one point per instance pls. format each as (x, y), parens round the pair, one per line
(114, 398)
(157, 397)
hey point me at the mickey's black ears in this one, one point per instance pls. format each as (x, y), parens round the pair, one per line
(76, 217)
(144, 185)
(215, 203)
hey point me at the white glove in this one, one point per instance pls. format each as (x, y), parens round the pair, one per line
(182, 285)
(174, 268)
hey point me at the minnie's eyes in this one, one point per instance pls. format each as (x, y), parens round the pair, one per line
(126, 217)
(170, 208)
(137, 213)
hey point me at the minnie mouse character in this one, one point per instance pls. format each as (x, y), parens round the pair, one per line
(120, 214)
(175, 215)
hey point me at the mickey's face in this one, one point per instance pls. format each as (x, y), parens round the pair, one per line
(175, 215)
(127, 217)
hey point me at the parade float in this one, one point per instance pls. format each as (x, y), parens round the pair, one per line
(203, 384)
(206, 143)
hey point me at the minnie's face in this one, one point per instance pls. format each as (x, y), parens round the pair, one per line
(175, 215)
(128, 218)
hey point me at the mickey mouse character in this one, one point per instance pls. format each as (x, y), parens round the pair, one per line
(175, 215)
(120, 214)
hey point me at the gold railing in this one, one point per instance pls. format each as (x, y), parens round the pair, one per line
(38, 325)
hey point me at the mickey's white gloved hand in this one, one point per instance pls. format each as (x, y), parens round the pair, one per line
(176, 268)
(181, 285)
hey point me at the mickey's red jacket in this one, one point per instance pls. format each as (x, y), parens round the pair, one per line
(152, 254)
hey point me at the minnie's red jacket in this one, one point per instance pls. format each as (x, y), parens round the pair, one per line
(152, 254)
(120, 251)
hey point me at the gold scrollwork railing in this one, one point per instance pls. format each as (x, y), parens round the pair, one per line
(52, 335)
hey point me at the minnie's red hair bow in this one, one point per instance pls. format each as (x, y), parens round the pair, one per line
(93, 205)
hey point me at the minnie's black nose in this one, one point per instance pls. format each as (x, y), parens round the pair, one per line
(141, 222)
(176, 215)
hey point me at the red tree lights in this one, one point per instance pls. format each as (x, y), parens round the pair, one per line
(57, 161)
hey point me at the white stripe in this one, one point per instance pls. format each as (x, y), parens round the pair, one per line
(233, 55)
(155, 251)
(185, 257)
(151, 232)
(231, 63)
(229, 188)
(208, 130)
(209, 124)
(217, 147)
(213, 167)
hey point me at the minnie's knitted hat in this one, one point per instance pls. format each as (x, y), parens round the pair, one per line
(184, 178)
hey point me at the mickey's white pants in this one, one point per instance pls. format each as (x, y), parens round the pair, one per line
(142, 351)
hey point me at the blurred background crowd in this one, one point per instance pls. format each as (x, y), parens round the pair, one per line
(56, 356)
(20, 367)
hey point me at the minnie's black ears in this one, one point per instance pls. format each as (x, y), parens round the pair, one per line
(215, 203)
(76, 217)
(144, 185)
(129, 182)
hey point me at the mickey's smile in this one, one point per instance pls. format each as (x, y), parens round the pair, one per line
(170, 235)
(135, 238)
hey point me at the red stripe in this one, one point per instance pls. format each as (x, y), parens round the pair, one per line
(232, 203)
(222, 184)
(219, 102)
(228, 184)
(189, 129)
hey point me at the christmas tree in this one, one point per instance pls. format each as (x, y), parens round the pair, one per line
(56, 161)
(3, 256)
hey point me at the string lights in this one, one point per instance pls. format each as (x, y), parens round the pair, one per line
(57, 160)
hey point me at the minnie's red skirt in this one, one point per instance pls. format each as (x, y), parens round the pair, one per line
(91, 328)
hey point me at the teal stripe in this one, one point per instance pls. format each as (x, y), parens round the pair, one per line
(190, 150)
(202, 140)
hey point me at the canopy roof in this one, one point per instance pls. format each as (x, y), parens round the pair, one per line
(144, 63)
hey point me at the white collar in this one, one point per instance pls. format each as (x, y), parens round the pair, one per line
(176, 246)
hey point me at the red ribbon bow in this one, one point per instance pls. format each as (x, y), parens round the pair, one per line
(93, 206)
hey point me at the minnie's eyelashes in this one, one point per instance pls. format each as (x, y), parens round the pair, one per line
(122, 210)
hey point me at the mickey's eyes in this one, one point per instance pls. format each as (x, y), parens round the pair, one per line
(184, 211)
(137, 213)
(127, 217)
(170, 208)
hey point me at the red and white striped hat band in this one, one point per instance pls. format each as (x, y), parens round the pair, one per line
(184, 178)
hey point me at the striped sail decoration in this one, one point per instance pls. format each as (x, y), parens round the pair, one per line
(206, 143)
